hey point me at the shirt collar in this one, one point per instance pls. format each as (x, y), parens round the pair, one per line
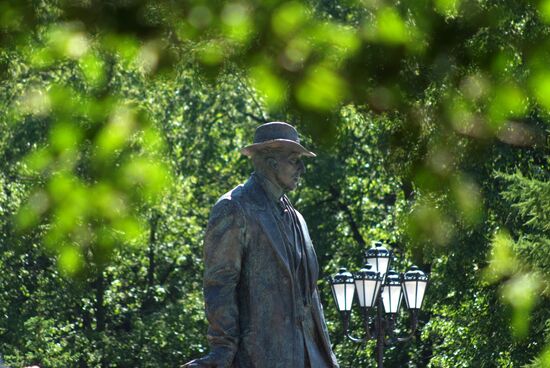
(273, 191)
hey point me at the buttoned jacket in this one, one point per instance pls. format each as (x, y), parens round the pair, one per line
(250, 293)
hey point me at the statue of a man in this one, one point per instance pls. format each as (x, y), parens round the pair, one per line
(260, 280)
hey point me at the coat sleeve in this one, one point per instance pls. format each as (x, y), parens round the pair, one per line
(223, 251)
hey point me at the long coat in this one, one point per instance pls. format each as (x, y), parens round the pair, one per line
(253, 314)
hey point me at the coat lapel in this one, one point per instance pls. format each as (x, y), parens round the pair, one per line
(267, 221)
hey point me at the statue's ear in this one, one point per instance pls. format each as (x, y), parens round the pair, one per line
(272, 163)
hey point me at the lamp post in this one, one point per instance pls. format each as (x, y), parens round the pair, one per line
(379, 292)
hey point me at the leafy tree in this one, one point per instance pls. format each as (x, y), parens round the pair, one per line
(121, 126)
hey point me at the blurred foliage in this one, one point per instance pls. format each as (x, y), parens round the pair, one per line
(121, 123)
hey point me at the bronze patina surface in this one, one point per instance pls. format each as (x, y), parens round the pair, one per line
(261, 296)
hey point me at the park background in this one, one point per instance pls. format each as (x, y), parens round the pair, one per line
(121, 123)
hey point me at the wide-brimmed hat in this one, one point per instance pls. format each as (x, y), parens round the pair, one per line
(273, 135)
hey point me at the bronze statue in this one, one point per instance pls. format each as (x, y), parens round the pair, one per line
(261, 270)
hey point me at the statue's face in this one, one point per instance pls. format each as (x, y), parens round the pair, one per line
(289, 169)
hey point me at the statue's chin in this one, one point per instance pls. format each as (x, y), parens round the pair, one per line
(292, 186)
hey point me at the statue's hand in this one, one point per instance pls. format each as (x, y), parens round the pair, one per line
(205, 362)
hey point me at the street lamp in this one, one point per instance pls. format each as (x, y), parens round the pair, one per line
(367, 283)
(378, 287)
(414, 287)
(343, 289)
(392, 293)
(379, 258)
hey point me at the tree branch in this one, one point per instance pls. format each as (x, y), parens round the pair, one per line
(149, 300)
(153, 221)
(408, 190)
(347, 211)
(259, 119)
(99, 286)
(253, 98)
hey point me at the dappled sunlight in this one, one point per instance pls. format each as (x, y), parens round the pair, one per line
(122, 124)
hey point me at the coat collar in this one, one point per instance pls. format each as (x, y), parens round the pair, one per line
(258, 197)
(271, 189)
(260, 203)
(266, 219)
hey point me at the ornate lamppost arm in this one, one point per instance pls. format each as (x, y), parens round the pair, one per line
(413, 325)
(346, 322)
(370, 335)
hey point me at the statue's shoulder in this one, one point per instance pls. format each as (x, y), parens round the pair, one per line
(244, 198)
(234, 195)
(228, 208)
